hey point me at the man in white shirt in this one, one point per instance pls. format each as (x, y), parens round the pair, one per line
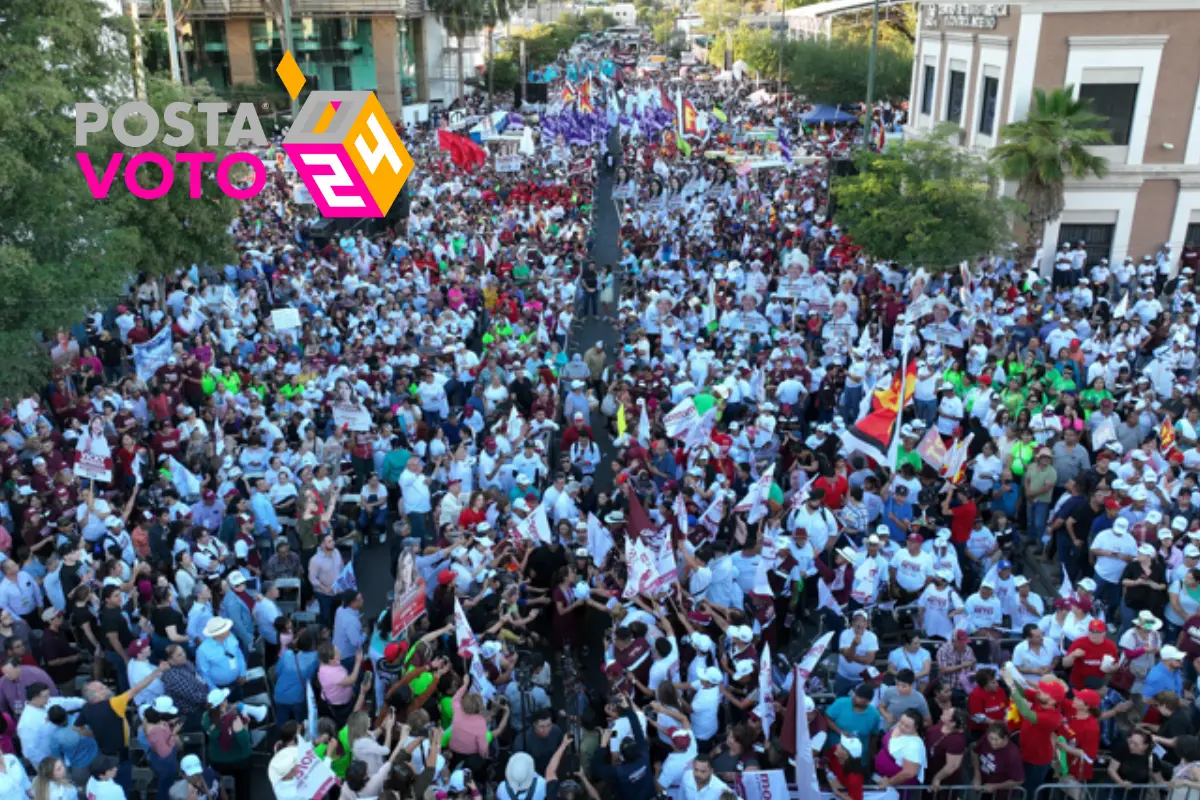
(666, 662)
(414, 489)
(705, 706)
(911, 570)
(857, 647)
(675, 765)
(33, 728)
(949, 411)
(700, 783)
(1113, 549)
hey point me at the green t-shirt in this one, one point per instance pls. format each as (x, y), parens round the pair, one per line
(1041, 475)
(1022, 454)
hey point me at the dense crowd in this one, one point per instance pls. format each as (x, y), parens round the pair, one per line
(789, 516)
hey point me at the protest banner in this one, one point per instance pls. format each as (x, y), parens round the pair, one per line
(285, 319)
(151, 355)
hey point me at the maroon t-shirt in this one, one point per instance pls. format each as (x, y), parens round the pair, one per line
(939, 745)
(1187, 642)
(999, 766)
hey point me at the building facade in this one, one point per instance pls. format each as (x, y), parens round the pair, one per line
(977, 65)
(383, 46)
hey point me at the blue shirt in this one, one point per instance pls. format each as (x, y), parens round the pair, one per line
(220, 664)
(862, 724)
(264, 514)
(1162, 679)
(348, 636)
(289, 684)
(198, 616)
(74, 750)
(902, 511)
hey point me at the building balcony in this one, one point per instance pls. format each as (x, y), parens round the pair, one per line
(212, 9)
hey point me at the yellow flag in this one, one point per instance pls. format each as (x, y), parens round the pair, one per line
(621, 420)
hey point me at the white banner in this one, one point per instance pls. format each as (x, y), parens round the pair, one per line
(314, 777)
(642, 567)
(768, 784)
(351, 416)
(285, 319)
(508, 163)
(806, 768)
(809, 662)
(93, 456)
(148, 357)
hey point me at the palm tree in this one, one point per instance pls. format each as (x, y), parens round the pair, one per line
(494, 13)
(1045, 149)
(460, 18)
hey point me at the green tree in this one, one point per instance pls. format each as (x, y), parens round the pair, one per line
(63, 253)
(1045, 149)
(926, 202)
(820, 71)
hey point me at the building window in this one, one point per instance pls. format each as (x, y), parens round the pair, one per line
(987, 105)
(334, 54)
(1115, 101)
(929, 81)
(1097, 239)
(1192, 237)
(954, 102)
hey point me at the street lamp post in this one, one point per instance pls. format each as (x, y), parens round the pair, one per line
(286, 37)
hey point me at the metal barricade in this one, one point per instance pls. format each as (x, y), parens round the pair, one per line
(1116, 791)
(963, 791)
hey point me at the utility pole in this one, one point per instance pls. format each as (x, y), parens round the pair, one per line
(524, 73)
(871, 69)
(172, 49)
(139, 78)
(286, 37)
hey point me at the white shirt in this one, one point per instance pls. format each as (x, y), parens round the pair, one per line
(937, 605)
(34, 730)
(953, 408)
(99, 790)
(665, 668)
(675, 765)
(1109, 568)
(713, 791)
(852, 669)
(1025, 657)
(704, 711)
(415, 492)
(983, 613)
(912, 572)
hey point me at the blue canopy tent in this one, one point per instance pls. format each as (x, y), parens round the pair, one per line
(829, 115)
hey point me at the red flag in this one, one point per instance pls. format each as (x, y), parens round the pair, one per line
(639, 523)
(666, 99)
(874, 433)
(787, 736)
(464, 153)
(689, 117)
(585, 98)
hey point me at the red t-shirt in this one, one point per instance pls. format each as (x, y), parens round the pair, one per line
(853, 781)
(835, 491)
(1087, 739)
(993, 705)
(961, 519)
(1087, 664)
(1037, 738)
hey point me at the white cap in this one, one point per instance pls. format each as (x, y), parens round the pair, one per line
(852, 746)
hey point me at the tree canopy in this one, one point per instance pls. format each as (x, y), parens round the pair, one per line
(926, 202)
(63, 253)
(823, 72)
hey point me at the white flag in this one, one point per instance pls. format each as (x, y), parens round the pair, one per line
(600, 541)
(515, 424)
(1066, 590)
(1122, 307)
(825, 598)
(219, 437)
(809, 662)
(700, 434)
(766, 691)
(185, 482)
(536, 527)
(644, 426)
(479, 676)
(680, 511)
(756, 497)
(806, 771)
(681, 418)
(468, 645)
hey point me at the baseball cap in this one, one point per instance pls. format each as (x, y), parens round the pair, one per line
(1097, 626)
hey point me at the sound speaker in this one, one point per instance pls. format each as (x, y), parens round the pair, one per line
(537, 92)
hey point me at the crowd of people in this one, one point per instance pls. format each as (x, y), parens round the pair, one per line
(658, 562)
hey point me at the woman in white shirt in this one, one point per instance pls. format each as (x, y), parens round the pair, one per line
(914, 657)
(495, 395)
(53, 782)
